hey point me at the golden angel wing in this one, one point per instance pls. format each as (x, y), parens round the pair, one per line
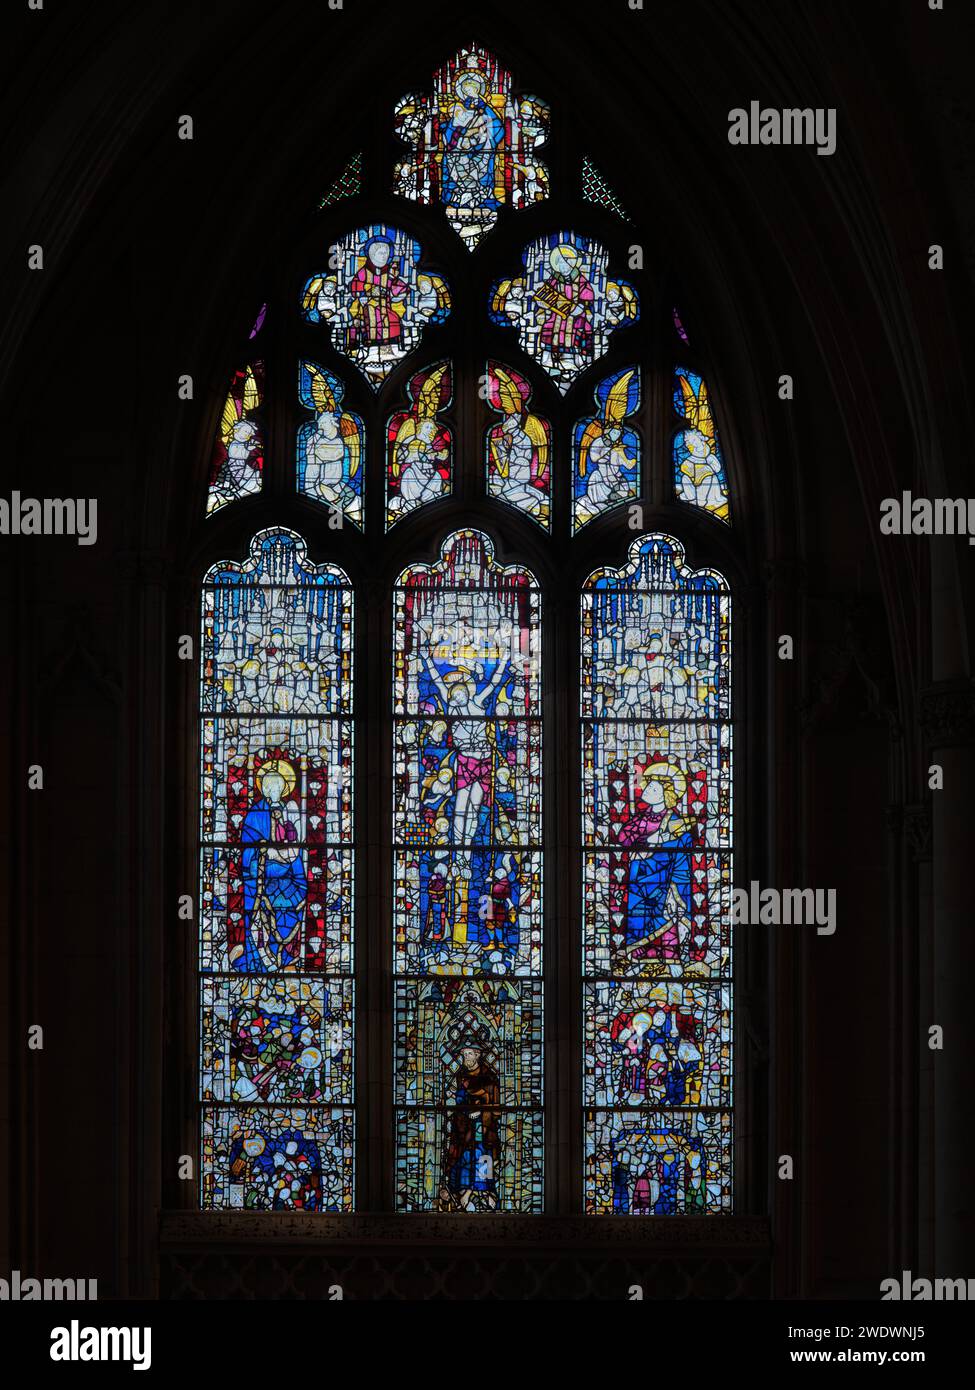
(690, 399)
(313, 289)
(591, 433)
(508, 393)
(252, 392)
(705, 420)
(350, 433)
(538, 435)
(428, 401)
(501, 295)
(617, 402)
(323, 398)
(228, 418)
(628, 297)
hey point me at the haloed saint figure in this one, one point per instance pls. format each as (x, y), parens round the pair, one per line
(378, 294)
(275, 882)
(472, 1152)
(472, 138)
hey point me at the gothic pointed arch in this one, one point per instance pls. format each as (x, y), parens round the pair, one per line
(459, 422)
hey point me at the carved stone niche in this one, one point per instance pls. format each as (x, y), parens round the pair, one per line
(948, 714)
(916, 824)
(850, 679)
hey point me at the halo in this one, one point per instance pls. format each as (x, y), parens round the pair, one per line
(569, 254)
(284, 770)
(470, 78)
(377, 241)
(662, 771)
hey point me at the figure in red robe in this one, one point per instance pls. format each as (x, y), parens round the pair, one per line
(378, 296)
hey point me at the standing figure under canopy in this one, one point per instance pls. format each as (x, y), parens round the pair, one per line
(275, 879)
(472, 1153)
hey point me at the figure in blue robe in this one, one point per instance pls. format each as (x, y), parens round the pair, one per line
(471, 139)
(652, 929)
(669, 1155)
(679, 1071)
(275, 882)
(621, 1189)
(649, 928)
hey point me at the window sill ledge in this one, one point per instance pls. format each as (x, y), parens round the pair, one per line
(193, 1229)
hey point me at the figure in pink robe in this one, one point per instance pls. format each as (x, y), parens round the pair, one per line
(565, 300)
(378, 296)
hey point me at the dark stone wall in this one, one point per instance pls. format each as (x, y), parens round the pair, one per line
(156, 255)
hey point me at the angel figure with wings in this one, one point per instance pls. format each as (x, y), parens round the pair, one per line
(331, 446)
(518, 448)
(419, 459)
(239, 456)
(608, 452)
(700, 470)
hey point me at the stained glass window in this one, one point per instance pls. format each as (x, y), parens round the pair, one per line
(419, 445)
(237, 463)
(276, 856)
(564, 304)
(462, 1017)
(656, 831)
(472, 145)
(606, 451)
(468, 883)
(595, 189)
(378, 301)
(331, 448)
(347, 185)
(518, 447)
(699, 475)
